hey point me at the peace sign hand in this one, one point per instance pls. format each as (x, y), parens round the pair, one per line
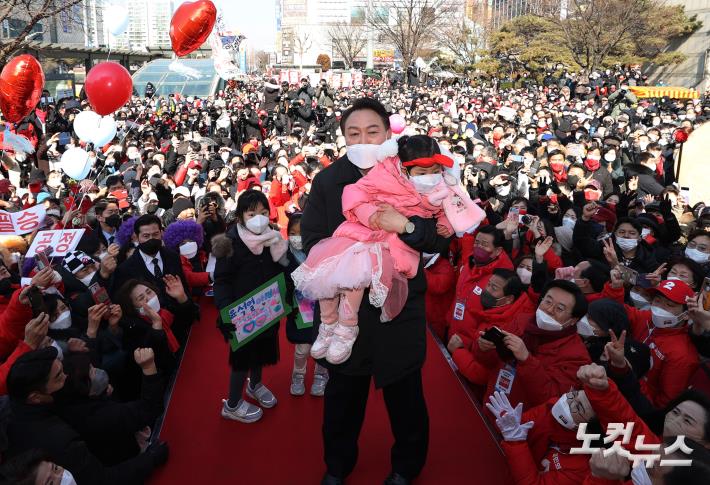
(614, 350)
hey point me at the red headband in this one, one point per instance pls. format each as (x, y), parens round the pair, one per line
(427, 162)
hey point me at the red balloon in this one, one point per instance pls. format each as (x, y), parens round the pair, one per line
(191, 24)
(108, 87)
(21, 83)
(680, 136)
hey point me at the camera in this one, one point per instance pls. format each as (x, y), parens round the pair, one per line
(525, 219)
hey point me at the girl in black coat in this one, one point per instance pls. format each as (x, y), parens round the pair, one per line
(302, 338)
(248, 255)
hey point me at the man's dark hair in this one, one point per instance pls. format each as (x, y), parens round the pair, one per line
(580, 302)
(30, 373)
(250, 200)
(113, 180)
(513, 285)
(498, 236)
(698, 473)
(362, 104)
(22, 469)
(597, 274)
(146, 220)
(645, 157)
(555, 152)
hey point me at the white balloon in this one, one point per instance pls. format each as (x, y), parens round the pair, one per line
(85, 125)
(75, 163)
(116, 18)
(105, 132)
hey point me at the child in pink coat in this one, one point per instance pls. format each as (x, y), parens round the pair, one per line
(359, 255)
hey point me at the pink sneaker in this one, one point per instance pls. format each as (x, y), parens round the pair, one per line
(341, 344)
(320, 346)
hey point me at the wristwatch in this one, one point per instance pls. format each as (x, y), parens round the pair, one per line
(409, 227)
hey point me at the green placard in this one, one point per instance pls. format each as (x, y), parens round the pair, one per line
(256, 312)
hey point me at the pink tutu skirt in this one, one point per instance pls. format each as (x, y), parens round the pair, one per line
(336, 264)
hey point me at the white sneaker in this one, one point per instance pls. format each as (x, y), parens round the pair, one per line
(245, 412)
(320, 346)
(318, 386)
(341, 343)
(298, 387)
(262, 394)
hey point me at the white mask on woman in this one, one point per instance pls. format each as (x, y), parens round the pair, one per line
(257, 224)
(697, 255)
(153, 304)
(62, 321)
(627, 244)
(584, 328)
(569, 222)
(189, 249)
(67, 478)
(525, 275)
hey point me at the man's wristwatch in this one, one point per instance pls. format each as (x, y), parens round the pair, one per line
(409, 227)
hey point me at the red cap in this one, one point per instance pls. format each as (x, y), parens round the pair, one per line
(427, 162)
(675, 290)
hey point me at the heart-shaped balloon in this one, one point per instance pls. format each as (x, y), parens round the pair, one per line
(190, 26)
(85, 125)
(21, 83)
(105, 132)
(75, 163)
(108, 87)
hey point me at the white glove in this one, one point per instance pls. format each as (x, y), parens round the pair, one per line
(507, 418)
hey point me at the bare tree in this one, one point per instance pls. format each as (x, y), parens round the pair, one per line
(348, 41)
(302, 42)
(30, 13)
(464, 39)
(409, 24)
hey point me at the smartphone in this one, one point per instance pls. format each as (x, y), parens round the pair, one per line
(516, 158)
(99, 294)
(685, 195)
(64, 138)
(628, 275)
(706, 290)
(495, 336)
(43, 259)
(36, 301)
(534, 167)
(643, 282)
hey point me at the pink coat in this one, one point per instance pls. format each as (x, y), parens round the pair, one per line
(385, 184)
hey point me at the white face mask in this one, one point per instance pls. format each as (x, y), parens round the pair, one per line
(627, 244)
(610, 156)
(363, 155)
(584, 328)
(639, 476)
(569, 222)
(296, 242)
(530, 137)
(60, 352)
(645, 232)
(63, 321)
(562, 413)
(662, 318)
(153, 304)
(503, 190)
(225, 156)
(426, 183)
(189, 249)
(257, 224)
(87, 279)
(525, 275)
(67, 478)
(639, 300)
(546, 322)
(697, 255)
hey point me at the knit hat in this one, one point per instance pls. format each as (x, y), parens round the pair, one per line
(76, 261)
(182, 204)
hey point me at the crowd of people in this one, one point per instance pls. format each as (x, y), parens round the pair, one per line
(577, 300)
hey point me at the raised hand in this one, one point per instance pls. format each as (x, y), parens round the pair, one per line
(145, 358)
(609, 251)
(508, 419)
(516, 345)
(36, 330)
(174, 288)
(593, 376)
(542, 247)
(614, 350)
(589, 210)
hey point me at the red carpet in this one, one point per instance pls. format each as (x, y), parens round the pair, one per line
(285, 446)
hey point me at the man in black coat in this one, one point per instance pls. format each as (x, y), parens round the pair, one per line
(393, 353)
(151, 262)
(31, 383)
(646, 173)
(252, 127)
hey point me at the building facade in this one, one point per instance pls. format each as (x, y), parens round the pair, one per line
(148, 25)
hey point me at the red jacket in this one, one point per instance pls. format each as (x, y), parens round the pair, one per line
(441, 286)
(194, 278)
(468, 330)
(544, 459)
(13, 320)
(674, 358)
(21, 349)
(279, 194)
(549, 371)
(471, 283)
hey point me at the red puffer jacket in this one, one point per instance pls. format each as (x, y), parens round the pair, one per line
(470, 285)
(674, 358)
(441, 287)
(544, 459)
(549, 371)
